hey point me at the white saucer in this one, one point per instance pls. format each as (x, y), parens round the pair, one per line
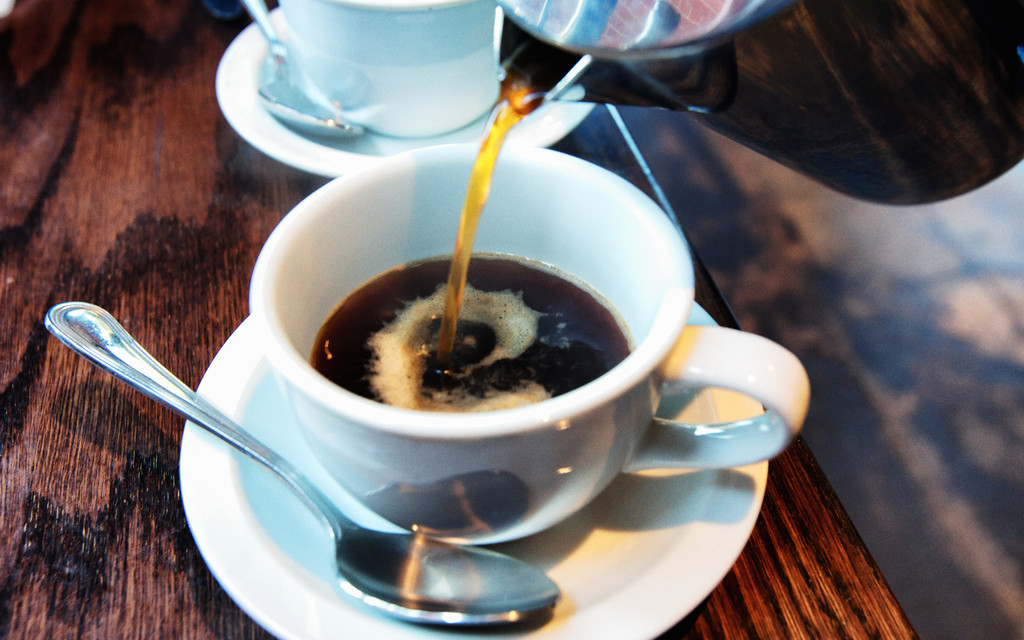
(630, 565)
(236, 94)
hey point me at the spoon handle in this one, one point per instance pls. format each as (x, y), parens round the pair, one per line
(94, 334)
(257, 9)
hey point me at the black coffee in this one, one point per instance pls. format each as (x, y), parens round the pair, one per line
(524, 334)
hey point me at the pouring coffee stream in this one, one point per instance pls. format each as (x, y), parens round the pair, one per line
(518, 99)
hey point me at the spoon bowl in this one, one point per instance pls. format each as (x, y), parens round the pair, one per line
(279, 90)
(406, 575)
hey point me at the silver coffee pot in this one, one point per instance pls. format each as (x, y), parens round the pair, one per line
(896, 101)
(676, 54)
(624, 28)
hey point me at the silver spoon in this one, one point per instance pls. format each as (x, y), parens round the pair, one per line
(280, 93)
(407, 575)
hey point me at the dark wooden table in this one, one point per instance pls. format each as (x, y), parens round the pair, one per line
(122, 184)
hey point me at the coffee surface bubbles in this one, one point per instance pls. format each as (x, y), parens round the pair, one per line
(525, 334)
(402, 352)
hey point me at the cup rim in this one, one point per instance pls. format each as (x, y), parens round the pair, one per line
(669, 321)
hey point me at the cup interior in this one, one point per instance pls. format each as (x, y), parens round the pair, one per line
(544, 206)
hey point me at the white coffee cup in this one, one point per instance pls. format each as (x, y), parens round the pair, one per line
(406, 68)
(500, 475)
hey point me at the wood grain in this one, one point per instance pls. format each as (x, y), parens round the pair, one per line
(124, 186)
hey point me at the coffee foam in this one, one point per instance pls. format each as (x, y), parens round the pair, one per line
(401, 347)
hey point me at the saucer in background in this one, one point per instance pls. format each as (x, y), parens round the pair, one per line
(237, 96)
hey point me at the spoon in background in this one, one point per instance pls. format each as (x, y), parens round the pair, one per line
(406, 575)
(280, 93)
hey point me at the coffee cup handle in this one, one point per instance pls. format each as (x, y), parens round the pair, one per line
(710, 356)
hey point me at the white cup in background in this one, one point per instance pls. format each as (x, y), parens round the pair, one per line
(405, 68)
